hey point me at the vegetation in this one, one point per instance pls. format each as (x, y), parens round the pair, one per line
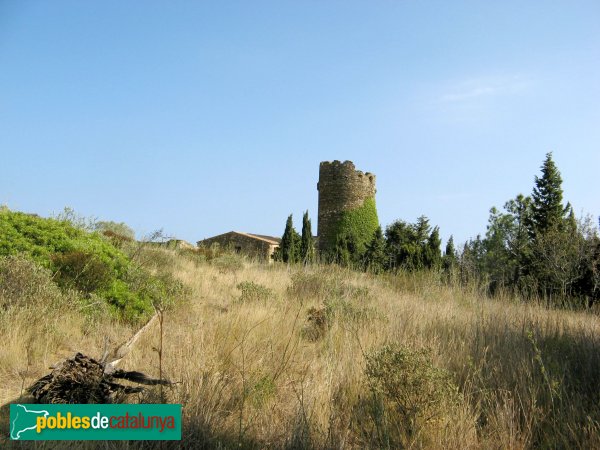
(307, 245)
(410, 396)
(289, 250)
(538, 248)
(375, 258)
(86, 262)
(355, 230)
(415, 350)
(535, 248)
(254, 292)
(111, 228)
(449, 259)
(325, 357)
(413, 246)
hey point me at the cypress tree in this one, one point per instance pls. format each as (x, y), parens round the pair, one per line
(289, 245)
(307, 246)
(547, 207)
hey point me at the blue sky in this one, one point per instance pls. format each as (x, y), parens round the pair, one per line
(204, 117)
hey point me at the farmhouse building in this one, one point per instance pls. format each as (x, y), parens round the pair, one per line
(253, 245)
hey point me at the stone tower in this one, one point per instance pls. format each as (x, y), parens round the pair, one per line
(344, 191)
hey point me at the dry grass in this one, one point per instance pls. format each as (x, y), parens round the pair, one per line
(526, 377)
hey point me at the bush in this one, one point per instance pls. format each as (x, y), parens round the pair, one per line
(254, 292)
(85, 261)
(348, 311)
(24, 282)
(408, 395)
(82, 271)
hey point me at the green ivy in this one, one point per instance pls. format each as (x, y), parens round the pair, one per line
(359, 224)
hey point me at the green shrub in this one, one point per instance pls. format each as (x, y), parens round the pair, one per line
(41, 238)
(85, 261)
(408, 395)
(82, 271)
(254, 292)
(160, 290)
(349, 311)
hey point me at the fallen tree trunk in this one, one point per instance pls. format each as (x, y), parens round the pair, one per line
(81, 379)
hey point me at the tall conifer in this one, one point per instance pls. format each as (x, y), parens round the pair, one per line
(449, 259)
(289, 245)
(307, 246)
(547, 207)
(433, 252)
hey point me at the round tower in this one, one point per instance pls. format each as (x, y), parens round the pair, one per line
(346, 204)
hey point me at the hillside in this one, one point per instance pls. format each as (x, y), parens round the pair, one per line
(321, 357)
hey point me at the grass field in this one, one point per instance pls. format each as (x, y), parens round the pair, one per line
(270, 356)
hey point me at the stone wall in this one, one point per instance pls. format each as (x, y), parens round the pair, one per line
(341, 188)
(242, 243)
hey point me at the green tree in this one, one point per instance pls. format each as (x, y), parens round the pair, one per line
(547, 207)
(413, 246)
(402, 249)
(499, 264)
(588, 285)
(518, 243)
(375, 257)
(537, 246)
(307, 245)
(449, 259)
(432, 252)
(289, 247)
(471, 261)
(422, 230)
(555, 246)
